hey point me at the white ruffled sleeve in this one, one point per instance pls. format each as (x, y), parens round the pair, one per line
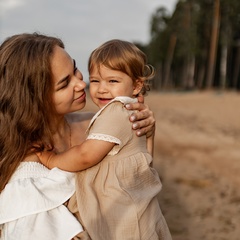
(31, 205)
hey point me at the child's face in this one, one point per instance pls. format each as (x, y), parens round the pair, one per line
(106, 84)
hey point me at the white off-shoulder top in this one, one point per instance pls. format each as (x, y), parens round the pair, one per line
(31, 205)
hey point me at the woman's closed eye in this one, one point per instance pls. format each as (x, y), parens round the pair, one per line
(63, 84)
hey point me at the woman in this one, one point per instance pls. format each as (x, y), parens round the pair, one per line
(41, 89)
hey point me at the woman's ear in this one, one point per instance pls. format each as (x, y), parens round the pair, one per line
(137, 87)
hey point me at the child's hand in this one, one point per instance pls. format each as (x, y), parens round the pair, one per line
(45, 157)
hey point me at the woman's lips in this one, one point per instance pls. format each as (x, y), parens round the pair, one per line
(81, 98)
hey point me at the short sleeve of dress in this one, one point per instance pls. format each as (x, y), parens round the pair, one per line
(112, 124)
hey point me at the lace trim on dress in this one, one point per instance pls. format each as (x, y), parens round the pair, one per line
(107, 138)
(104, 137)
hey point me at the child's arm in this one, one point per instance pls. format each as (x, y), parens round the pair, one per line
(79, 157)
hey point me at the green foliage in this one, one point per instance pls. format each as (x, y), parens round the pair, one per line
(191, 25)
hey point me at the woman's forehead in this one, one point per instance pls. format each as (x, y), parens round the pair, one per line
(60, 58)
(61, 63)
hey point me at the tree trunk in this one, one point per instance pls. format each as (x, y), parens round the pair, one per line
(223, 67)
(213, 44)
(190, 73)
(200, 76)
(157, 81)
(236, 66)
(187, 79)
(167, 69)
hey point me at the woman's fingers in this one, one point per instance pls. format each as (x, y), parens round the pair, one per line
(143, 120)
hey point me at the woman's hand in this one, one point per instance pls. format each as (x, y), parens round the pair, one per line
(143, 120)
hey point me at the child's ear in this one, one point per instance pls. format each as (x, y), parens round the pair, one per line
(137, 87)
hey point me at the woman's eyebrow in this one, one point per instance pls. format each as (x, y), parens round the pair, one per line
(66, 78)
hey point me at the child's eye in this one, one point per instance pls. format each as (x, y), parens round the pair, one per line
(113, 81)
(94, 81)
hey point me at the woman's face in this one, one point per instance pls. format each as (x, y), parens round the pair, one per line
(68, 94)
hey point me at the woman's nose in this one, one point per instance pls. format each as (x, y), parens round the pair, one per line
(79, 84)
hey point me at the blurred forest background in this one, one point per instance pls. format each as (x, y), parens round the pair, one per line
(197, 47)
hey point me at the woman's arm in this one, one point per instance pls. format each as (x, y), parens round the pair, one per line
(150, 143)
(79, 157)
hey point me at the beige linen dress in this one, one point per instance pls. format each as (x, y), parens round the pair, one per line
(117, 197)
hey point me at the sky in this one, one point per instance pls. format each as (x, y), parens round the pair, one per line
(82, 24)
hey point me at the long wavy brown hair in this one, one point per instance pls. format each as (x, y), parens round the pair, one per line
(25, 98)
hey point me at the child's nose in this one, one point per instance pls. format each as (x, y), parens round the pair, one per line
(102, 88)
